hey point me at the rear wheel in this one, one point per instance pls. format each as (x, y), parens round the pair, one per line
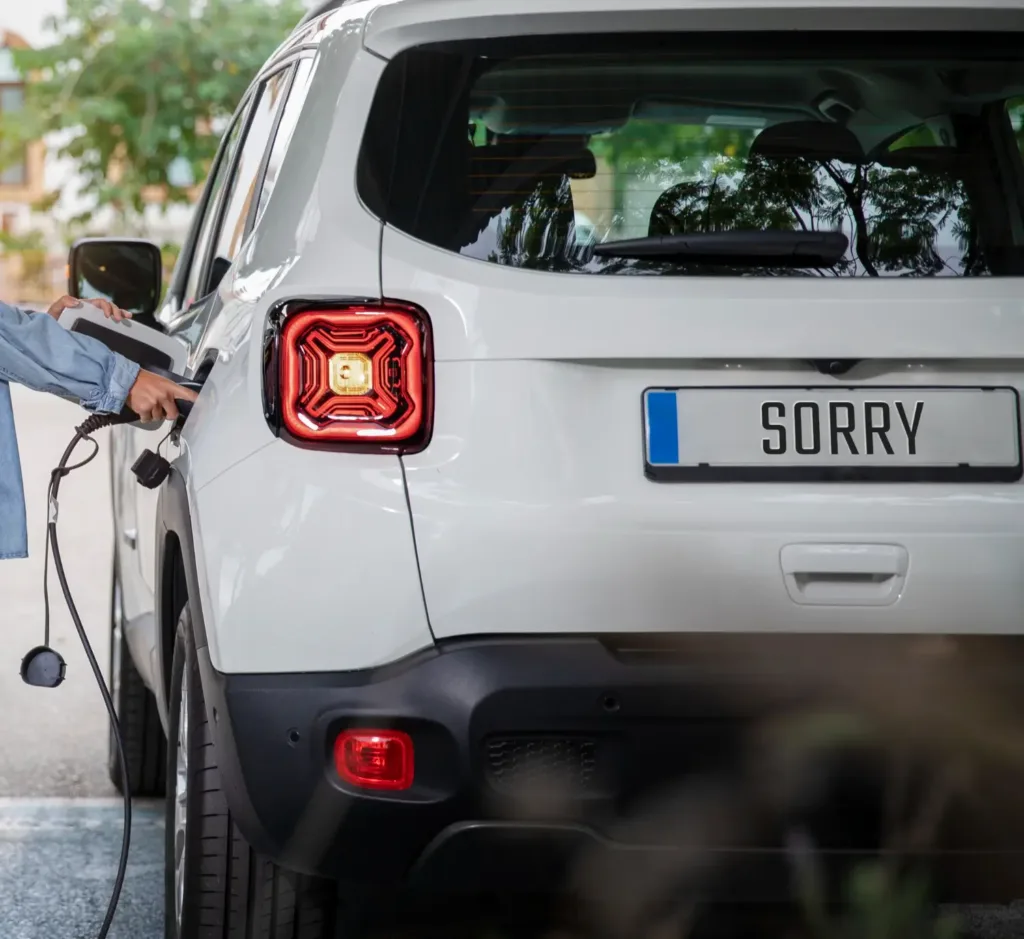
(216, 885)
(145, 747)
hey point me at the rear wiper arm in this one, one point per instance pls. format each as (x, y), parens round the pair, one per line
(742, 248)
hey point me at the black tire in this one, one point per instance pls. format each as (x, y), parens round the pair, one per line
(145, 747)
(229, 892)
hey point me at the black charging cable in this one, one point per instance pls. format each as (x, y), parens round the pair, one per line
(44, 667)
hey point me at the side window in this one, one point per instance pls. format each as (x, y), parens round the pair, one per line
(242, 189)
(285, 129)
(211, 210)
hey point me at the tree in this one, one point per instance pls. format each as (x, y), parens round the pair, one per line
(137, 89)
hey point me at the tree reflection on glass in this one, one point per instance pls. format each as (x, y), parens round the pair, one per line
(906, 212)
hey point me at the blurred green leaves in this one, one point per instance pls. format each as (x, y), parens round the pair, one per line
(134, 86)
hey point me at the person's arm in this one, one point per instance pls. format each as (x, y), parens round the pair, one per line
(35, 351)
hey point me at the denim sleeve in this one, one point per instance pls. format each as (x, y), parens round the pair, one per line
(37, 352)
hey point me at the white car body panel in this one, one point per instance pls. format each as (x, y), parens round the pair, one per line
(531, 508)
(317, 572)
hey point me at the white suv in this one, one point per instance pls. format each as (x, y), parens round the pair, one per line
(460, 480)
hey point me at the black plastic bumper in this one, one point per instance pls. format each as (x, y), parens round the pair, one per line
(531, 754)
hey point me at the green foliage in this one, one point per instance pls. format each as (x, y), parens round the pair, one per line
(649, 148)
(31, 240)
(137, 84)
(169, 253)
(879, 903)
(30, 248)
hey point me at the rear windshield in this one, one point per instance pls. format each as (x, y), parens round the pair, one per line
(546, 153)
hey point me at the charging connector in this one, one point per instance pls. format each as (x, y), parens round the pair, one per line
(150, 469)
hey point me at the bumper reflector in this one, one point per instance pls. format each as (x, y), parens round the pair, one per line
(374, 759)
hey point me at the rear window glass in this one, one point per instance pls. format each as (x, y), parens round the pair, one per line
(548, 154)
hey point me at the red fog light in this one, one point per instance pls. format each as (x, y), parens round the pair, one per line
(374, 759)
(356, 375)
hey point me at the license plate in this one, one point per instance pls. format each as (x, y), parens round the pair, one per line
(819, 434)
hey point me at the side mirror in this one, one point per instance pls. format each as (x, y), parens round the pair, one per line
(126, 271)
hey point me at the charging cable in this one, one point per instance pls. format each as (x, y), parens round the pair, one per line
(44, 667)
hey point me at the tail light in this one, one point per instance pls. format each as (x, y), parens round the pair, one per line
(374, 759)
(352, 376)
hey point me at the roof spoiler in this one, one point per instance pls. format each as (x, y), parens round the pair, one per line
(394, 26)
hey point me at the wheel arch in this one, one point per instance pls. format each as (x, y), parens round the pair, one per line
(176, 581)
(177, 585)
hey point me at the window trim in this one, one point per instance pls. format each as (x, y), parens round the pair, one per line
(303, 55)
(187, 258)
(218, 209)
(255, 95)
(261, 173)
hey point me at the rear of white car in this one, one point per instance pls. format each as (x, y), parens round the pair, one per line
(708, 414)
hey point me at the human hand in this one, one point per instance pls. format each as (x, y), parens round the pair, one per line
(66, 302)
(152, 397)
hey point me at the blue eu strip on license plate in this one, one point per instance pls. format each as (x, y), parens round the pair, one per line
(662, 428)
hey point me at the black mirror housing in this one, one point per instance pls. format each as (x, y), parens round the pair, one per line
(126, 271)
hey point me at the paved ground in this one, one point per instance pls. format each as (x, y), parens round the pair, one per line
(60, 827)
(57, 863)
(53, 743)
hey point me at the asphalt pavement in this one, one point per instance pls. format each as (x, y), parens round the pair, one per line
(60, 818)
(60, 856)
(54, 742)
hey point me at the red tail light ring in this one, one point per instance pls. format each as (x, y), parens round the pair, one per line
(355, 375)
(375, 759)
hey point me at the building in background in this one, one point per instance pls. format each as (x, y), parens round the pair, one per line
(26, 270)
(23, 183)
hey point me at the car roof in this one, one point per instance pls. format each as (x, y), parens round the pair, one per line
(319, 9)
(397, 24)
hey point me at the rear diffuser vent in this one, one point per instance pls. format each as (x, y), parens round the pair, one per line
(529, 763)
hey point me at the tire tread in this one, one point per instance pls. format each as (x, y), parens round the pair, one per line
(145, 747)
(238, 893)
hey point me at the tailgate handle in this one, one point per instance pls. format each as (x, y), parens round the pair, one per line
(844, 574)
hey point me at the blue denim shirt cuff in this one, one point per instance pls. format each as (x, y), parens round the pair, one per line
(122, 378)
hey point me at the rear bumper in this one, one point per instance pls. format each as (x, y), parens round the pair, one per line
(540, 760)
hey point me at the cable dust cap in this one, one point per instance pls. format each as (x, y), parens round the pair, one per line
(43, 667)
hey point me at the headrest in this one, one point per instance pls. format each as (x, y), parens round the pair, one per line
(812, 140)
(581, 165)
(527, 157)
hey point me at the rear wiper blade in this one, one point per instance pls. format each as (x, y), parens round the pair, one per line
(741, 248)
